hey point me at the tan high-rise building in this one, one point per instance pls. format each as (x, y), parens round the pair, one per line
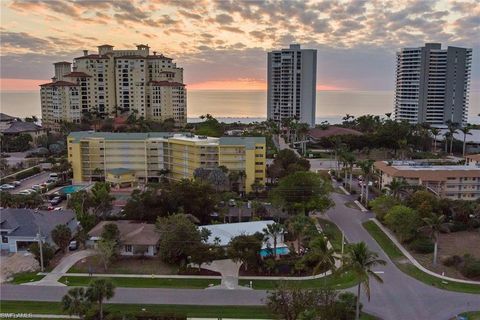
(111, 82)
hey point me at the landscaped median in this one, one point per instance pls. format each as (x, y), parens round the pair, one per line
(404, 264)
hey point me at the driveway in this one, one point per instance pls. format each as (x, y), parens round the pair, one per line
(51, 279)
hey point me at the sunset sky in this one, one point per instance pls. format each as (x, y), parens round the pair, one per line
(223, 44)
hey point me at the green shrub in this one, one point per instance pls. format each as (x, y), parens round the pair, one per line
(471, 268)
(27, 173)
(458, 226)
(422, 245)
(453, 261)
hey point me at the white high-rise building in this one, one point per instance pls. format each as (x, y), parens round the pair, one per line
(292, 80)
(432, 84)
(112, 82)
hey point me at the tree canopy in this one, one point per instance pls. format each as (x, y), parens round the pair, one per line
(303, 192)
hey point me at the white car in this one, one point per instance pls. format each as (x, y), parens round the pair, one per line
(7, 187)
(16, 183)
(27, 192)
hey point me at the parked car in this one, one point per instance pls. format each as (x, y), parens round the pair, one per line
(232, 203)
(73, 245)
(16, 183)
(53, 176)
(27, 192)
(55, 201)
(37, 187)
(7, 186)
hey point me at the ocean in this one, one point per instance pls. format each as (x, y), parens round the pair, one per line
(249, 106)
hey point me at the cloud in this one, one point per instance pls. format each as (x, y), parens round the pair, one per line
(224, 19)
(22, 40)
(231, 29)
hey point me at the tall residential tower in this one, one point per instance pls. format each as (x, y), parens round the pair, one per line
(111, 82)
(432, 84)
(292, 77)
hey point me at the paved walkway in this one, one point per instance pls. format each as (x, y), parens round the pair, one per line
(229, 271)
(51, 279)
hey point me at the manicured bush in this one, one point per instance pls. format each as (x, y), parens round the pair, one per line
(27, 173)
(422, 245)
(458, 226)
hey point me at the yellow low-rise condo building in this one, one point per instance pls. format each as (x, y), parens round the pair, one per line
(125, 159)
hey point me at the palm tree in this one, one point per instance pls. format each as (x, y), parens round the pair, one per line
(273, 231)
(360, 261)
(452, 129)
(465, 130)
(298, 226)
(435, 132)
(99, 290)
(396, 186)
(76, 302)
(367, 167)
(322, 254)
(434, 224)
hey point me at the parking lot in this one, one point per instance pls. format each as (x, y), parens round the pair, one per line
(31, 181)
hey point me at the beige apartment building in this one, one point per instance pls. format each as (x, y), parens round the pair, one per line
(111, 82)
(456, 182)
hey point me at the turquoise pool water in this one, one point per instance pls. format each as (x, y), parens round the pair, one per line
(71, 189)
(280, 251)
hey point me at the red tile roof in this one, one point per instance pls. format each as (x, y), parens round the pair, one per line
(331, 131)
(59, 84)
(166, 84)
(77, 74)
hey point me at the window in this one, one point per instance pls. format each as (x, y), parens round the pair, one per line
(128, 248)
(258, 171)
(259, 163)
(258, 147)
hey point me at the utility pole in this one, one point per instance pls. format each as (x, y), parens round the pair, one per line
(39, 237)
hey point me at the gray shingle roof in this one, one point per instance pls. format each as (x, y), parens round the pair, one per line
(19, 127)
(27, 222)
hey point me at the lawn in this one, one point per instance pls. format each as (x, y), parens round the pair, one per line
(145, 282)
(343, 281)
(125, 265)
(332, 232)
(398, 258)
(25, 277)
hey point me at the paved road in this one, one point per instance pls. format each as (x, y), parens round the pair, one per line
(144, 295)
(400, 296)
(29, 182)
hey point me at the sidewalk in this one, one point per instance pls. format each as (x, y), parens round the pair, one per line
(414, 261)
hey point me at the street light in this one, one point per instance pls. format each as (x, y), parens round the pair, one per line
(39, 239)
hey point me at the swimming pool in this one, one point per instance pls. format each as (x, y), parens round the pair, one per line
(280, 251)
(71, 189)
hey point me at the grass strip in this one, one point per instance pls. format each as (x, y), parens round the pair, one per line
(333, 233)
(144, 282)
(474, 315)
(252, 312)
(24, 277)
(396, 255)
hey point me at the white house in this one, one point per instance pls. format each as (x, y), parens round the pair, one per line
(19, 227)
(223, 233)
(136, 238)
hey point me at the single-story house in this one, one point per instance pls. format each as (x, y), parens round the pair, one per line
(136, 238)
(19, 228)
(223, 234)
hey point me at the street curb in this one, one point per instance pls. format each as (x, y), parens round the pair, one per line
(344, 190)
(360, 206)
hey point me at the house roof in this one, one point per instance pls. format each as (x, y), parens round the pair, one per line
(5, 117)
(131, 232)
(27, 222)
(318, 133)
(225, 232)
(79, 135)
(473, 137)
(20, 126)
(248, 142)
(428, 172)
